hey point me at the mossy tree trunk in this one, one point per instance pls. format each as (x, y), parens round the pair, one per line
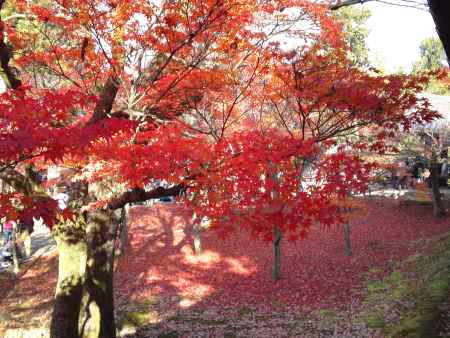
(72, 250)
(97, 318)
(26, 239)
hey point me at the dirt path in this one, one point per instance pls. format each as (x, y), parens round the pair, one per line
(42, 242)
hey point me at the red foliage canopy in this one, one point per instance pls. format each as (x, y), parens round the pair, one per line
(204, 94)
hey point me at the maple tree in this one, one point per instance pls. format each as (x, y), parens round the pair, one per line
(202, 94)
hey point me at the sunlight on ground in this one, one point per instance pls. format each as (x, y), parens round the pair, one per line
(206, 259)
(241, 266)
(160, 280)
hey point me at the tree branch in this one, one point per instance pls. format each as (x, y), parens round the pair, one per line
(5, 56)
(21, 183)
(346, 3)
(401, 3)
(106, 100)
(140, 195)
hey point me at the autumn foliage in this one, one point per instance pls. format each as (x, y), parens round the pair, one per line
(220, 105)
(250, 106)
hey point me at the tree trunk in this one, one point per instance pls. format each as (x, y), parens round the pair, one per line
(440, 10)
(276, 254)
(97, 318)
(124, 228)
(15, 252)
(197, 238)
(71, 244)
(347, 242)
(196, 229)
(438, 205)
(26, 239)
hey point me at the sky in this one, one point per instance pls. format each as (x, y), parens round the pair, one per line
(396, 33)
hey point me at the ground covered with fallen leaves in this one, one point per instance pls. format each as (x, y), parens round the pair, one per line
(26, 302)
(228, 288)
(162, 289)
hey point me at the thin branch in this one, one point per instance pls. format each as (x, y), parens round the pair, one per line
(401, 3)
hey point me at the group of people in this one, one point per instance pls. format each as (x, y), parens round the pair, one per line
(409, 172)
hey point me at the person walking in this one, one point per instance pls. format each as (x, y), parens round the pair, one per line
(6, 255)
(8, 227)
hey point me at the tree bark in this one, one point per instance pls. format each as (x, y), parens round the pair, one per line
(15, 252)
(26, 238)
(122, 231)
(197, 238)
(140, 195)
(438, 205)
(97, 320)
(346, 3)
(72, 250)
(440, 11)
(276, 273)
(347, 242)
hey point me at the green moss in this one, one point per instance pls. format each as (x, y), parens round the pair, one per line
(140, 313)
(135, 318)
(427, 289)
(325, 313)
(23, 305)
(327, 317)
(374, 319)
(203, 321)
(394, 278)
(411, 202)
(375, 287)
(171, 334)
(245, 311)
(148, 302)
(374, 270)
(412, 327)
(393, 286)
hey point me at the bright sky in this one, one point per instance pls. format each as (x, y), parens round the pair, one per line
(396, 33)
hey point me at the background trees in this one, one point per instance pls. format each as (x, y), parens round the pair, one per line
(437, 8)
(432, 54)
(356, 33)
(432, 58)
